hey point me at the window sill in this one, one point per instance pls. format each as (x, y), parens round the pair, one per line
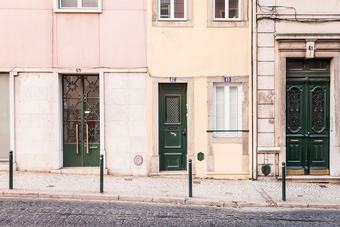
(172, 23)
(228, 23)
(227, 20)
(78, 10)
(229, 135)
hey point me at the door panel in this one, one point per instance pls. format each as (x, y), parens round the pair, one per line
(81, 120)
(172, 126)
(307, 123)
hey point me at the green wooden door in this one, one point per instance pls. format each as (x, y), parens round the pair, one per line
(81, 120)
(307, 123)
(172, 126)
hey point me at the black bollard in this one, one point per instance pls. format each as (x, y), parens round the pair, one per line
(10, 170)
(190, 178)
(101, 173)
(283, 181)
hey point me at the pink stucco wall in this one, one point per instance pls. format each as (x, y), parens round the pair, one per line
(33, 35)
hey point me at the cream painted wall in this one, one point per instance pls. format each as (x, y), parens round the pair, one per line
(197, 49)
(194, 51)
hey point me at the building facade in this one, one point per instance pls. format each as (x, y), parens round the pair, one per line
(73, 84)
(149, 84)
(199, 78)
(296, 87)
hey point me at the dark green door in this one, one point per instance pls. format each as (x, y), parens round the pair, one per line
(307, 123)
(172, 126)
(81, 120)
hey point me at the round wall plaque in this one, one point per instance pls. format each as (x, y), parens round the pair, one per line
(138, 160)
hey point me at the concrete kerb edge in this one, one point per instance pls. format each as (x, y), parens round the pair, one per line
(162, 200)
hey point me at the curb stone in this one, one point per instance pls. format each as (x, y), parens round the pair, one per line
(249, 204)
(170, 200)
(18, 194)
(163, 200)
(135, 198)
(216, 203)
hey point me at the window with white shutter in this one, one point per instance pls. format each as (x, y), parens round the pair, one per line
(228, 109)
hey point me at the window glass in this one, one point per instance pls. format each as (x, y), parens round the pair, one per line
(68, 3)
(219, 8)
(165, 9)
(220, 108)
(233, 9)
(179, 8)
(90, 3)
(233, 108)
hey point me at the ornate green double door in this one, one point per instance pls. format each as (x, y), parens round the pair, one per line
(307, 119)
(81, 120)
(172, 126)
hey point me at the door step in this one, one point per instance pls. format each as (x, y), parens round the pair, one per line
(79, 170)
(175, 174)
(313, 179)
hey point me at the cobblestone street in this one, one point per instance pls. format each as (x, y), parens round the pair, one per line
(77, 213)
(230, 192)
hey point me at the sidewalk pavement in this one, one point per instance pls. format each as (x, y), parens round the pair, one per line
(173, 190)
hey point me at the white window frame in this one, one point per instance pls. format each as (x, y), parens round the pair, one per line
(172, 9)
(226, 12)
(227, 110)
(78, 9)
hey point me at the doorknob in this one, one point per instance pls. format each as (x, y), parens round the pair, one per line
(87, 138)
(184, 132)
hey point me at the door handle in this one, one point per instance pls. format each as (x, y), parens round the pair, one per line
(87, 138)
(184, 132)
(77, 142)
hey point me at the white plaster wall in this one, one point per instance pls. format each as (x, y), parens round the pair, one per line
(36, 110)
(4, 116)
(125, 123)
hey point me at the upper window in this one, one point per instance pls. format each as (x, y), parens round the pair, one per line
(79, 5)
(172, 9)
(227, 9)
(228, 109)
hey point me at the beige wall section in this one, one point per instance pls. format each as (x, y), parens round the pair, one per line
(200, 115)
(196, 49)
(4, 116)
(200, 52)
(36, 111)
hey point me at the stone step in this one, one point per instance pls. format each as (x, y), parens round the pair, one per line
(79, 170)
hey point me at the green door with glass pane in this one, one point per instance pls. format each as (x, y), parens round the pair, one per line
(81, 120)
(307, 123)
(172, 126)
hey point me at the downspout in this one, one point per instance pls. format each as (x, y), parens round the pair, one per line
(12, 74)
(254, 88)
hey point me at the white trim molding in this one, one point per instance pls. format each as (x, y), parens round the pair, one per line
(172, 11)
(78, 9)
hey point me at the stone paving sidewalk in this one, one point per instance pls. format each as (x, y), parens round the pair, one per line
(230, 193)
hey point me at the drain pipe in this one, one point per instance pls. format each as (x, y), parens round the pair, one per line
(254, 87)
